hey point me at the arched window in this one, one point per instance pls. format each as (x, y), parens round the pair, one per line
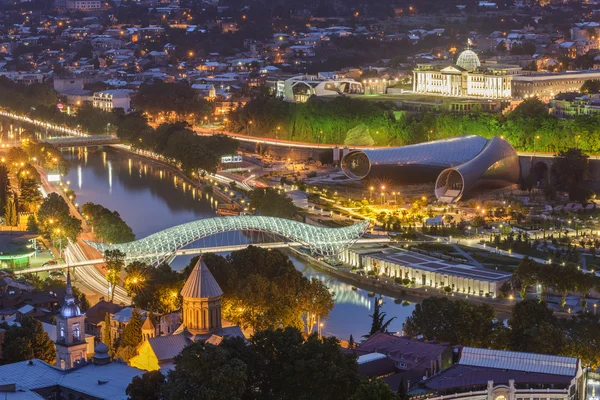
(205, 318)
(197, 319)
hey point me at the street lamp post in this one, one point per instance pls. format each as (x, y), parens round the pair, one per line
(382, 194)
(371, 193)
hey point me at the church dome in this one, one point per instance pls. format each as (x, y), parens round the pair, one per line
(69, 309)
(468, 60)
(101, 350)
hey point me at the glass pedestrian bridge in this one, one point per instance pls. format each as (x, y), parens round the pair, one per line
(163, 245)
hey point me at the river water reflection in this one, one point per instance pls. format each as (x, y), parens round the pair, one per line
(150, 199)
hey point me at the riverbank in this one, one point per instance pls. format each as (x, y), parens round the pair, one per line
(397, 291)
(173, 169)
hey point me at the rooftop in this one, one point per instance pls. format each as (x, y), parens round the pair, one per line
(201, 284)
(428, 263)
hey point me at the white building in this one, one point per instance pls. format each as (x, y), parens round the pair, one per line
(299, 88)
(108, 100)
(424, 270)
(83, 5)
(468, 78)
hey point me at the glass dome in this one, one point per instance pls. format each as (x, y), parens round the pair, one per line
(468, 60)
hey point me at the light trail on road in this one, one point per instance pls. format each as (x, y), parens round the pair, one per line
(90, 277)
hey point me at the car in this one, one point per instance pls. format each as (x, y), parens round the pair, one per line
(57, 274)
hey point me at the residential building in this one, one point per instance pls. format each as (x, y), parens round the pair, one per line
(546, 86)
(570, 105)
(108, 100)
(83, 5)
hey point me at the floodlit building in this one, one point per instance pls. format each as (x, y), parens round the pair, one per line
(546, 86)
(467, 78)
(71, 346)
(457, 164)
(300, 88)
(201, 322)
(108, 100)
(432, 272)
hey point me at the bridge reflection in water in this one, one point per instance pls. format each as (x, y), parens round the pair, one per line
(344, 294)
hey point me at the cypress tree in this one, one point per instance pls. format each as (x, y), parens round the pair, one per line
(10, 211)
(132, 334)
(106, 336)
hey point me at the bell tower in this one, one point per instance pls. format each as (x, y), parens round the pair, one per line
(70, 332)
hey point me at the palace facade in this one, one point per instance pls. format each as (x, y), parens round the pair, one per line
(466, 78)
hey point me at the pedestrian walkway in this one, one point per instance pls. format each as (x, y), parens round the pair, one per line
(467, 256)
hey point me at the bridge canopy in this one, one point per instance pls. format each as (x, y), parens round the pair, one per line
(162, 245)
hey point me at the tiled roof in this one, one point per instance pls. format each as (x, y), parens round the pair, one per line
(201, 284)
(403, 349)
(96, 313)
(105, 382)
(167, 347)
(461, 376)
(513, 360)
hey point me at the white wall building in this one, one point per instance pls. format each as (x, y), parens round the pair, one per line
(468, 78)
(108, 100)
(299, 88)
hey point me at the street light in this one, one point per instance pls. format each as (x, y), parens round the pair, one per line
(371, 193)
(534, 143)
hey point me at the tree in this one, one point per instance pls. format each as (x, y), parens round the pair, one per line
(590, 86)
(107, 225)
(54, 214)
(106, 333)
(115, 259)
(4, 188)
(294, 368)
(29, 194)
(10, 215)
(32, 225)
(132, 333)
(316, 301)
(456, 322)
(205, 372)
(534, 329)
(527, 273)
(146, 387)
(379, 324)
(270, 202)
(27, 341)
(351, 343)
(374, 390)
(18, 349)
(582, 339)
(359, 136)
(477, 222)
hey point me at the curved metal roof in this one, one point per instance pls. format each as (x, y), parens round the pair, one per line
(443, 153)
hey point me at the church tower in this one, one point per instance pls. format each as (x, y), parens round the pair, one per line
(70, 332)
(201, 301)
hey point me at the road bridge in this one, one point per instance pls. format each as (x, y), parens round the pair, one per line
(83, 141)
(187, 252)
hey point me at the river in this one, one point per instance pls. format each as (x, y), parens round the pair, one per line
(150, 199)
